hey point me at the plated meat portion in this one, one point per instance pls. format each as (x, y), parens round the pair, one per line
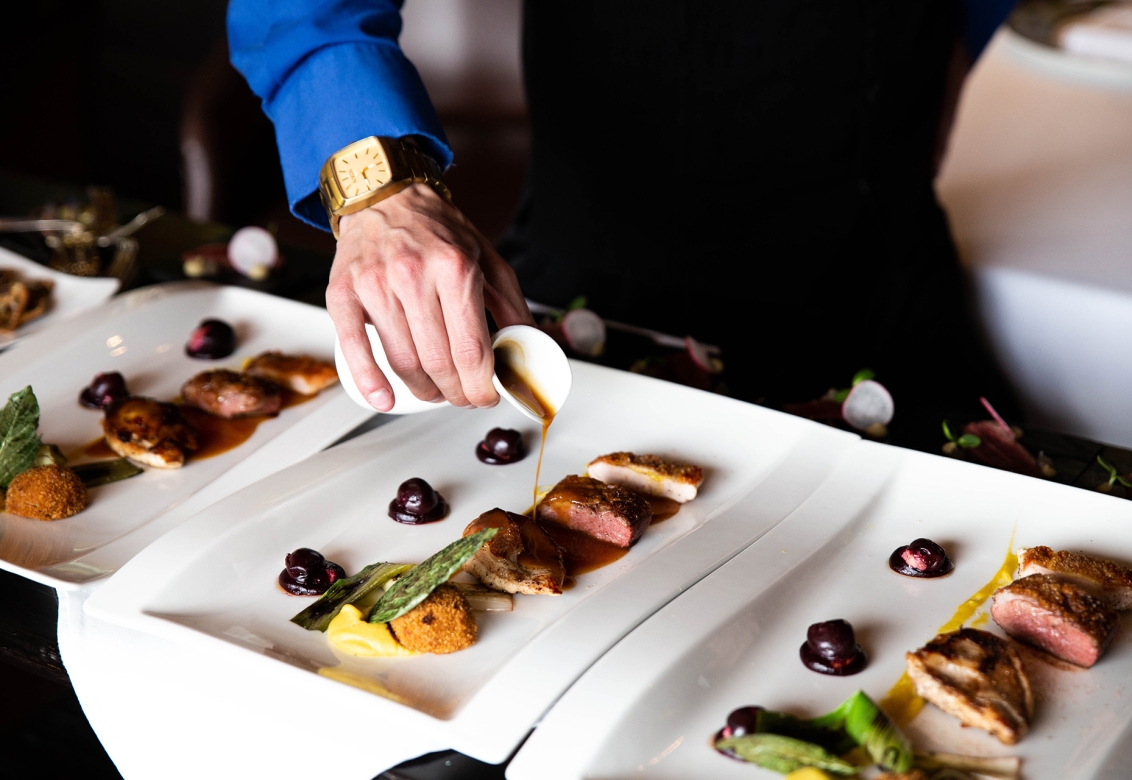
(610, 513)
(1107, 580)
(976, 677)
(228, 394)
(1056, 616)
(520, 558)
(148, 431)
(22, 300)
(300, 373)
(649, 474)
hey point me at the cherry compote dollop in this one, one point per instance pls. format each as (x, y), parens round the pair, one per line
(501, 446)
(103, 390)
(212, 340)
(831, 648)
(417, 503)
(742, 721)
(308, 573)
(921, 558)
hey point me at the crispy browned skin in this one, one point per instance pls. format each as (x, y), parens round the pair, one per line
(610, 513)
(46, 493)
(228, 394)
(22, 300)
(650, 474)
(1107, 580)
(978, 678)
(303, 374)
(442, 623)
(148, 431)
(520, 558)
(1056, 616)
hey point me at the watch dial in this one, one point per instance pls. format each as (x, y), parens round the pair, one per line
(362, 170)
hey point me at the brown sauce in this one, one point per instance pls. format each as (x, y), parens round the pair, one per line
(99, 449)
(529, 396)
(291, 398)
(216, 435)
(581, 552)
(662, 508)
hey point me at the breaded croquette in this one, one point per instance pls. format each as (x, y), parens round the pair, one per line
(46, 493)
(442, 623)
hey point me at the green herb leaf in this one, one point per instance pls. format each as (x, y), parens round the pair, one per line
(1113, 476)
(863, 375)
(968, 441)
(839, 396)
(871, 728)
(19, 443)
(578, 303)
(318, 615)
(103, 472)
(947, 431)
(784, 754)
(414, 587)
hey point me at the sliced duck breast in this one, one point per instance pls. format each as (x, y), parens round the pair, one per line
(649, 474)
(610, 513)
(228, 394)
(1059, 617)
(1105, 579)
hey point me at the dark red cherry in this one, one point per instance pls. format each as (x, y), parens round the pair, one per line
(417, 502)
(308, 573)
(103, 390)
(305, 558)
(744, 720)
(212, 339)
(831, 648)
(501, 446)
(921, 558)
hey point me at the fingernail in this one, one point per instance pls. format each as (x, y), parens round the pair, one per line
(381, 400)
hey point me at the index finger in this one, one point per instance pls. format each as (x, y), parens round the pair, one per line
(350, 324)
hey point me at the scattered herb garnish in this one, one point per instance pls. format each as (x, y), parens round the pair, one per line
(318, 615)
(863, 375)
(19, 443)
(103, 472)
(578, 303)
(414, 587)
(967, 441)
(1113, 477)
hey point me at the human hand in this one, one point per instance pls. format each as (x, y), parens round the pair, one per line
(418, 270)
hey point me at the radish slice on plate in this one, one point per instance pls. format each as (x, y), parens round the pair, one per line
(253, 252)
(868, 404)
(700, 355)
(584, 332)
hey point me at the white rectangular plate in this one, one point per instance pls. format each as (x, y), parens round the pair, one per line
(142, 335)
(71, 296)
(649, 707)
(212, 582)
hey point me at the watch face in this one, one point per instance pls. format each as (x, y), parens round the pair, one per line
(362, 170)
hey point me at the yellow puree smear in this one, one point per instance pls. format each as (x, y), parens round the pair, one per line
(901, 703)
(350, 634)
(809, 773)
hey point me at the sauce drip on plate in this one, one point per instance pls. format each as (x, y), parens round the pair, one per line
(525, 392)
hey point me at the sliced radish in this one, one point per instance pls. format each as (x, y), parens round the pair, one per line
(584, 331)
(700, 355)
(253, 252)
(868, 404)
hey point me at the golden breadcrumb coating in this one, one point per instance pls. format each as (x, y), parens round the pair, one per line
(442, 623)
(46, 493)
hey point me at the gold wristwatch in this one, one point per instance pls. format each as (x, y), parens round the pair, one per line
(371, 170)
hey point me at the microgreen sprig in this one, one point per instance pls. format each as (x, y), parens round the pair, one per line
(864, 374)
(967, 441)
(1113, 477)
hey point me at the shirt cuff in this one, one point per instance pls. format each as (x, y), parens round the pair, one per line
(341, 94)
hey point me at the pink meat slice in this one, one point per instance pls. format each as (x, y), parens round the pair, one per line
(1056, 616)
(606, 512)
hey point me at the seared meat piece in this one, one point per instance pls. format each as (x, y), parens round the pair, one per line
(520, 558)
(606, 512)
(976, 677)
(1056, 616)
(148, 431)
(228, 394)
(648, 474)
(301, 373)
(22, 300)
(1108, 581)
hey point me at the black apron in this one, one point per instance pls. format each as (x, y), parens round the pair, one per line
(755, 173)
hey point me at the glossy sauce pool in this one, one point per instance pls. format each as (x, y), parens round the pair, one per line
(215, 435)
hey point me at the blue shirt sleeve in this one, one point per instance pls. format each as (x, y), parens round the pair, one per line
(329, 72)
(980, 19)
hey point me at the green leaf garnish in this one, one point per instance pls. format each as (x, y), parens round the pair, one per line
(863, 375)
(578, 303)
(103, 472)
(414, 587)
(947, 431)
(866, 723)
(318, 615)
(19, 443)
(1113, 477)
(784, 754)
(968, 441)
(840, 396)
